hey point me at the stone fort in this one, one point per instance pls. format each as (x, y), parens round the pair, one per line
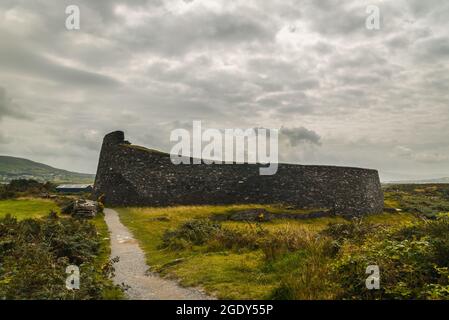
(130, 175)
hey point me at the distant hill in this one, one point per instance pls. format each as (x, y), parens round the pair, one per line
(423, 181)
(17, 168)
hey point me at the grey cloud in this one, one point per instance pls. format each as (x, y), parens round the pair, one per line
(432, 157)
(15, 58)
(433, 48)
(242, 64)
(4, 139)
(425, 156)
(362, 56)
(332, 17)
(323, 48)
(178, 34)
(8, 108)
(422, 8)
(84, 138)
(295, 136)
(398, 42)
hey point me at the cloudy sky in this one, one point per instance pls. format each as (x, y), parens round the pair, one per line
(342, 94)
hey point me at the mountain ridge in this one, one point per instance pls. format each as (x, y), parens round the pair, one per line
(443, 180)
(20, 168)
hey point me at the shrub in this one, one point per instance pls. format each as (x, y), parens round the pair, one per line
(437, 232)
(35, 252)
(6, 194)
(356, 231)
(249, 238)
(439, 290)
(29, 186)
(412, 262)
(193, 232)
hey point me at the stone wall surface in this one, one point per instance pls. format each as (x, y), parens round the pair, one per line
(130, 175)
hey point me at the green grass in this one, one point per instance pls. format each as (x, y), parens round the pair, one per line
(103, 234)
(27, 208)
(104, 255)
(224, 274)
(228, 274)
(393, 219)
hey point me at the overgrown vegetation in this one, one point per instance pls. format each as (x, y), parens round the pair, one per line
(34, 254)
(323, 258)
(24, 187)
(194, 232)
(427, 200)
(413, 260)
(36, 248)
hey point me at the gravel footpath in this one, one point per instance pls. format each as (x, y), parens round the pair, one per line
(132, 268)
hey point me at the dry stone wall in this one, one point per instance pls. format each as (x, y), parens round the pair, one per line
(130, 175)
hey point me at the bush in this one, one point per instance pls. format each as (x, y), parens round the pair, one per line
(437, 233)
(35, 252)
(245, 238)
(22, 187)
(412, 262)
(194, 232)
(5, 194)
(356, 231)
(29, 186)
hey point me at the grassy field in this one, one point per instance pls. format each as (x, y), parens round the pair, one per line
(226, 274)
(23, 208)
(320, 258)
(230, 273)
